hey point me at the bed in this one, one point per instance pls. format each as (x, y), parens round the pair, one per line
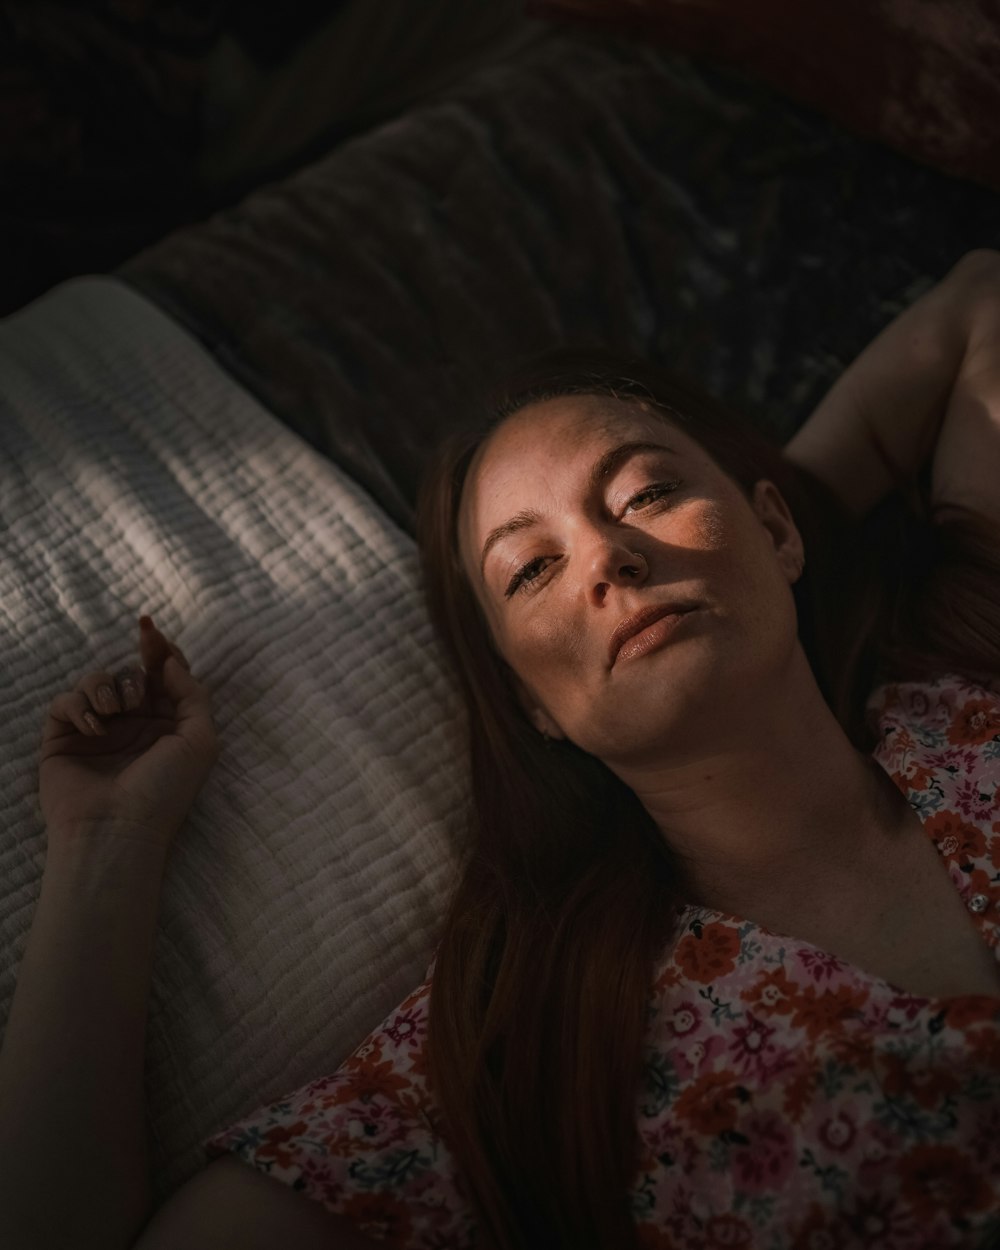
(228, 433)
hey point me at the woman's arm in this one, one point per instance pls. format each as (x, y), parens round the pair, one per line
(914, 385)
(74, 1169)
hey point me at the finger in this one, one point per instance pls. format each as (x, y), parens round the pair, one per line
(193, 707)
(131, 684)
(72, 710)
(101, 692)
(155, 647)
(109, 694)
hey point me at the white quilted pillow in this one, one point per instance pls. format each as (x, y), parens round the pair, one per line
(304, 896)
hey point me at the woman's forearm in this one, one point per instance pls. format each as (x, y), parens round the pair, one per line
(878, 424)
(74, 1168)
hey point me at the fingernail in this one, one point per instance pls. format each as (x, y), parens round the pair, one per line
(106, 698)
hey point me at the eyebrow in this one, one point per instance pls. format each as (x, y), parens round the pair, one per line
(602, 469)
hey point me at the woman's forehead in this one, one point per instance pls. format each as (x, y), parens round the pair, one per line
(570, 426)
(566, 424)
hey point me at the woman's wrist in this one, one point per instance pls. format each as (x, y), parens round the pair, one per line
(110, 843)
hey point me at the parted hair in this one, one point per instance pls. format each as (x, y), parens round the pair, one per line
(568, 895)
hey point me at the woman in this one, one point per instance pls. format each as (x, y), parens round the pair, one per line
(668, 634)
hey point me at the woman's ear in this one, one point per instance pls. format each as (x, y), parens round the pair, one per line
(776, 517)
(538, 716)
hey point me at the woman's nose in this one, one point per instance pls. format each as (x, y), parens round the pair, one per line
(617, 563)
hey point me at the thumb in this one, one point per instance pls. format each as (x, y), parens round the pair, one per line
(192, 705)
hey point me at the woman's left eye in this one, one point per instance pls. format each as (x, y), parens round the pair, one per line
(654, 491)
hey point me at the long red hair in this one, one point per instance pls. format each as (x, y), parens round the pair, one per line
(568, 894)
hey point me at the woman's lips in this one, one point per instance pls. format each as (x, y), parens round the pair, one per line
(653, 636)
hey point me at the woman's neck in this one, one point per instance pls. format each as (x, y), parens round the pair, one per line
(784, 814)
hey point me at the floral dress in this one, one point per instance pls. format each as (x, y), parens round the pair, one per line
(790, 1101)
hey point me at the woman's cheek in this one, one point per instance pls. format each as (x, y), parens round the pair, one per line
(709, 526)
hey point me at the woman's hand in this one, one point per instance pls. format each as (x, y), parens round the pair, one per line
(135, 766)
(882, 420)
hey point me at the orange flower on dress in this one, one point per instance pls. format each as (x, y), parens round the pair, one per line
(973, 1009)
(368, 1079)
(975, 722)
(951, 834)
(711, 1105)
(280, 1142)
(980, 1045)
(710, 957)
(417, 1063)
(773, 992)
(820, 1014)
(800, 1094)
(920, 777)
(936, 1179)
(900, 1076)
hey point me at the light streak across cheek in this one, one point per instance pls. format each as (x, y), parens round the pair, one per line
(711, 526)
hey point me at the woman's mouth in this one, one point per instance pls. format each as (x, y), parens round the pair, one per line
(653, 636)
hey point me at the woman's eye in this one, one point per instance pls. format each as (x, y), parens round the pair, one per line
(522, 578)
(654, 491)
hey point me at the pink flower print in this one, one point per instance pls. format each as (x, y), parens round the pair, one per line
(972, 803)
(767, 1159)
(837, 1133)
(321, 1176)
(951, 757)
(669, 1144)
(373, 1128)
(820, 965)
(728, 1230)
(753, 1052)
(405, 1026)
(903, 1010)
(879, 1219)
(685, 1019)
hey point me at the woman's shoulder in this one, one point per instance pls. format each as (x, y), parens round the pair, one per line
(938, 737)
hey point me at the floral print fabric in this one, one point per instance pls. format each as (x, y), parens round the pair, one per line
(790, 1101)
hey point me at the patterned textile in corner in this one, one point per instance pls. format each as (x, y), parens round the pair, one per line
(920, 75)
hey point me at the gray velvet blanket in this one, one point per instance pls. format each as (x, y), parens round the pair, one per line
(584, 190)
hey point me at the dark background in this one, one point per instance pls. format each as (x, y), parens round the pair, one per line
(122, 119)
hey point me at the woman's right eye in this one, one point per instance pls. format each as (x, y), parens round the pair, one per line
(521, 578)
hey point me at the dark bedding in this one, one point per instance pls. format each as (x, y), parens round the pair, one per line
(587, 190)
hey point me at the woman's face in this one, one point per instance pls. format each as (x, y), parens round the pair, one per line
(590, 509)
